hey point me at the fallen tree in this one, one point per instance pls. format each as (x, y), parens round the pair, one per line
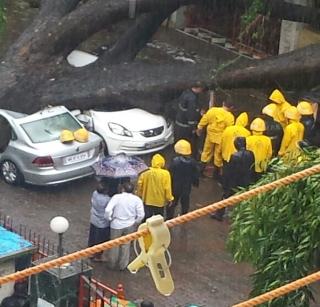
(35, 72)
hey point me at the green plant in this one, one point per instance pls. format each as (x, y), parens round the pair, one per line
(278, 232)
(252, 10)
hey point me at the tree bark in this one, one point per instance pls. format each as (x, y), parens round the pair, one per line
(57, 8)
(137, 83)
(49, 15)
(86, 20)
(297, 69)
(129, 45)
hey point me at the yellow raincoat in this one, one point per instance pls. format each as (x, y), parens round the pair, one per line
(231, 133)
(154, 185)
(293, 134)
(261, 147)
(282, 105)
(216, 120)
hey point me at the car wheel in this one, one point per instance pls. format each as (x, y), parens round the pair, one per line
(11, 173)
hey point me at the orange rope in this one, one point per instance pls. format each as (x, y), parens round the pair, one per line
(280, 291)
(171, 223)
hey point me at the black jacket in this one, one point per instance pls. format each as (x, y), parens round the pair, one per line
(239, 171)
(184, 173)
(275, 131)
(188, 112)
(308, 123)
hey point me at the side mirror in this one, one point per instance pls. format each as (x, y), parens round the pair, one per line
(86, 121)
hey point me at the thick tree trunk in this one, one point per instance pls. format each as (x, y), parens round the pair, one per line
(49, 15)
(87, 19)
(297, 69)
(128, 46)
(137, 83)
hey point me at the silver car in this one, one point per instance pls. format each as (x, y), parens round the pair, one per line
(35, 154)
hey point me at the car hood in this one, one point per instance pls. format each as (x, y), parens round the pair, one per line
(133, 119)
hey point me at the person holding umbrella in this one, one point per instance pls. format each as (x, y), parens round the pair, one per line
(118, 169)
(154, 187)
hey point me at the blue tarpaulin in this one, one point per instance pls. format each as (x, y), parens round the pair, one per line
(11, 243)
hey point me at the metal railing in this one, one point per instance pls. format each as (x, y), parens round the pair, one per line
(93, 293)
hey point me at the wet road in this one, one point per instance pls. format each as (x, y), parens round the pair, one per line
(202, 269)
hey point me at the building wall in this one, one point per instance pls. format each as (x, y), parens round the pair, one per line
(296, 35)
(308, 36)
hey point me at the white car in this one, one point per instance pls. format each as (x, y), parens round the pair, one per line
(127, 129)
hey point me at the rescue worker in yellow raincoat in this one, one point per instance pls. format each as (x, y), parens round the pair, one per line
(154, 187)
(293, 134)
(216, 119)
(260, 145)
(282, 104)
(231, 133)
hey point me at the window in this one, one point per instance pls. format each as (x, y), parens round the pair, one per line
(49, 129)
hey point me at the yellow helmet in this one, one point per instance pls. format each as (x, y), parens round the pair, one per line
(305, 108)
(81, 135)
(182, 147)
(277, 97)
(292, 113)
(258, 125)
(270, 109)
(66, 136)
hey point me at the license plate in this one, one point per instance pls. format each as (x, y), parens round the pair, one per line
(154, 144)
(76, 158)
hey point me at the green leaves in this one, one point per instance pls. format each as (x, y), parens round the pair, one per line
(253, 7)
(278, 232)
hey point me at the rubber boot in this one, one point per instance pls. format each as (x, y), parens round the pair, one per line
(202, 167)
(217, 174)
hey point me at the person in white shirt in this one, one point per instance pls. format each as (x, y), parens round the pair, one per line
(124, 211)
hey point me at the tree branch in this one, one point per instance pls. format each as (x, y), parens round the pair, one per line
(140, 84)
(91, 17)
(128, 45)
(57, 8)
(50, 13)
(297, 69)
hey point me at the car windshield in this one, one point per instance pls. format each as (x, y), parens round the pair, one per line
(49, 129)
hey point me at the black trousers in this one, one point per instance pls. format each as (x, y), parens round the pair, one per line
(187, 134)
(182, 133)
(152, 210)
(182, 195)
(97, 236)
